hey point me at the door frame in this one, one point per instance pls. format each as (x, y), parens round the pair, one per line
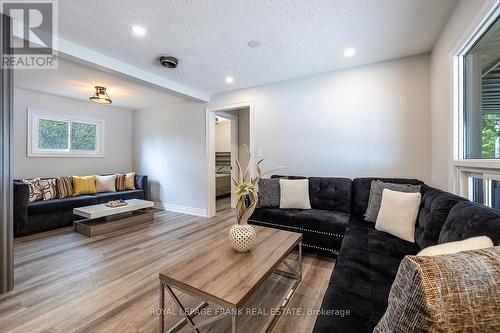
(234, 150)
(210, 147)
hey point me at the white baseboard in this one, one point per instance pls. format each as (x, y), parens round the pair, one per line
(182, 209)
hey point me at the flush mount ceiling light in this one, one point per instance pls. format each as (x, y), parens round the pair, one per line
(100, 96)
(138, 30)
(229, 79)
(349, 52)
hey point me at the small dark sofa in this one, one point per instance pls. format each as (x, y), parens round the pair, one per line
(368, 259)
(38, 216)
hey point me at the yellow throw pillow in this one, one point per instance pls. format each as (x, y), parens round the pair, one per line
(129, 181)
(84, 185)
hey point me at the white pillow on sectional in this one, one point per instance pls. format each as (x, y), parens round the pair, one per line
(473, 243)
(398, 214)
(294, 193)
(105, 183)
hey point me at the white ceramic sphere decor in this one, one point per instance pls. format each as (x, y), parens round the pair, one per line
(242, 237)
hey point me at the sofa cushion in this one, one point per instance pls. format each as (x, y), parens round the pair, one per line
(446, 293)
(332, 194)
(50, 206)
(434, 210)
(361, 191)
(467, 219)
(126, 195)
(321, 220)
(361, 281)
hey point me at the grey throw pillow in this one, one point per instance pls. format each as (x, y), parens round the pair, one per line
(375, 198)
(269, 193)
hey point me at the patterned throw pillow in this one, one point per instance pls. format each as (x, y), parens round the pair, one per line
(130, 181)
(456, 292)
(120, 182)
(84, 185)
(48, 188)
(375, 198)
(64, 187)
(35, 191)
(269, 193)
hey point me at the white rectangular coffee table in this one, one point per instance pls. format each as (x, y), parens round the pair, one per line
(100, 219)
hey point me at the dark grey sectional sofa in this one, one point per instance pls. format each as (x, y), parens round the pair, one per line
(368, 259)
(38, 216)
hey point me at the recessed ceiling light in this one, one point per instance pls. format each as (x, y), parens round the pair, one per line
(138, 30)
(349, 52)
(229, 79)
(254, 44)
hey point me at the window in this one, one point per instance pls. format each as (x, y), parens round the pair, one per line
(54, 136)
(476, 89)
(481, 96)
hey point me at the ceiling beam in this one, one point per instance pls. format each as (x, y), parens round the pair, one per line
(81, 53)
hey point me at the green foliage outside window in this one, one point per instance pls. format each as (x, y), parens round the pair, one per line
(83, 136)
(490, 132)
(54, 135)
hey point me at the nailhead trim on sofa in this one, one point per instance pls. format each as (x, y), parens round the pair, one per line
(308, 230)
(298, 228)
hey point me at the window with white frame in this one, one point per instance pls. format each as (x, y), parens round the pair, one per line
(51, 135)
(481, 96)
(478, 100)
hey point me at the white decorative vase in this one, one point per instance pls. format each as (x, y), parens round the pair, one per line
(242, 237)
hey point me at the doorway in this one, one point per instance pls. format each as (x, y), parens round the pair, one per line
(229, 128)
(226, 138)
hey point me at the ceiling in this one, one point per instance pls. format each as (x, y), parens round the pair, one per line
(76, 80)
(210, 38)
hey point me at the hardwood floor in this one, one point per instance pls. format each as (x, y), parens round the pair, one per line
(223, 203)
(66, 282)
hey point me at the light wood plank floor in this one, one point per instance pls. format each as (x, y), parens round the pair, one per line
(66, 282)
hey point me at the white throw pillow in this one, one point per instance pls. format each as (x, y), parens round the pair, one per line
(398, 214)
(294, 193)
(105, 183)
(473, 243)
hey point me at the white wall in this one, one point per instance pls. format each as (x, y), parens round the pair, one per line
(441, 88)
(243, 133)
(169, 147)
(118, 138)
(223, 136)
(370, 120)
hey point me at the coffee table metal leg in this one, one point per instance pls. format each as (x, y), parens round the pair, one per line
(184, 312)
(300, 261)
(161, 327)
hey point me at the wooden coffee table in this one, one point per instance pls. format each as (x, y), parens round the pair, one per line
(100, 219)
(226, 278)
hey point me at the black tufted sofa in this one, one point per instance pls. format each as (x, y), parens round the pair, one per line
(38, 216)
(368, 259)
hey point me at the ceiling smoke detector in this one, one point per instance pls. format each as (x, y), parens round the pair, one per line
(169, 62)
(254, 44)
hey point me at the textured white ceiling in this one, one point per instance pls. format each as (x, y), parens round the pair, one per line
(77, 81)
(210, 37)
